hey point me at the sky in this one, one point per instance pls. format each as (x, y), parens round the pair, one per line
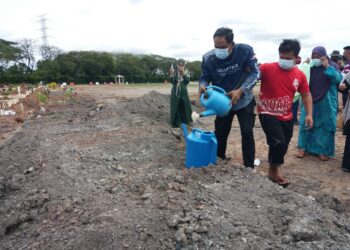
(178, 28)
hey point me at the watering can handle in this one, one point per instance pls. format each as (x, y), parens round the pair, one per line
(203, 100)
(217, 89)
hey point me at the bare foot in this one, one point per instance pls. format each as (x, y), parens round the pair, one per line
(300, 153)
(323, 157)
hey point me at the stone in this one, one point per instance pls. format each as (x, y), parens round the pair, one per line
(2, 183)
(173, 221)
(180, 179)
(162, 206)
(304, 229)
(181, 237)
(201, 229)
(18, 178)
(34, 214)
(146, 196)
(33, 191)
(10, 168)
(236, 232)
(176, 132)
(199, 198)
(286, 239)
(196, 237)
(15, 185)
(67, 206)
(35, 233)
(29, 170)
(176, 186)
(143, 236)
(85, 219)
(189, 230)
(24, 217)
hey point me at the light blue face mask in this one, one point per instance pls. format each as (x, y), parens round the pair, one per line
(286, 64)
(316, 62)
(221, 53)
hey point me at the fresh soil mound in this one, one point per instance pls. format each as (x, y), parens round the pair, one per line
(111, 176)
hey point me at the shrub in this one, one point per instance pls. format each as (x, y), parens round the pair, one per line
(42, 97)
(52, 85)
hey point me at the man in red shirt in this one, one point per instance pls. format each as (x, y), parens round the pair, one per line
(279, 82)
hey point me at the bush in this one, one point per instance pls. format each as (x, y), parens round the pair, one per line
(52, 85)
(42, 97)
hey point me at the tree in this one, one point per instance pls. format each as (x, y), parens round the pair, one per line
(78, 66)
(130, 66)
(50, 52)
(27, 49)
(8, 53)
(195, 70)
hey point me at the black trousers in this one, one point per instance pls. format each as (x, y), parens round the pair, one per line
(246, 119)
(278, 135)
(346, 156)
(345, 94)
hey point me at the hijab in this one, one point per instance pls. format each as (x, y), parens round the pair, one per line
(319, 82)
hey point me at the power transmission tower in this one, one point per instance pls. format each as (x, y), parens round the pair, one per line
(45, 48)
(44, 38)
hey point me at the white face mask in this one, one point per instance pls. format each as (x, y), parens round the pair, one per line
(316, 62)
(286, 64)
(221, 53)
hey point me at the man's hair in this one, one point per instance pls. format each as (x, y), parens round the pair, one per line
(290, 45)
(224, 32)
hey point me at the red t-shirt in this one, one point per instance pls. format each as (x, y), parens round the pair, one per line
(278, 88)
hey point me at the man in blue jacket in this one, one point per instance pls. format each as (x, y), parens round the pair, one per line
(234, 68)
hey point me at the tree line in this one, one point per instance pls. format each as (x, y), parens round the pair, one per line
(18, 65)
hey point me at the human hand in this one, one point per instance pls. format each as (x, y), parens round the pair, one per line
(181, 68)
(202, 89)
(324, 61)
(235, 95)
(342, 87)
(309, 123)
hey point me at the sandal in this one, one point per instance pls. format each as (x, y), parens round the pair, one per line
(323, 157)
(281, 182)
(223, 161)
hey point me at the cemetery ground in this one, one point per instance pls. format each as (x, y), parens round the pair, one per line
(103, 170)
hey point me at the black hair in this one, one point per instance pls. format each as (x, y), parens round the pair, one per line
(224, 32)
(290, 45)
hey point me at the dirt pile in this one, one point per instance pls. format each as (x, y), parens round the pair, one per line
(110, 175)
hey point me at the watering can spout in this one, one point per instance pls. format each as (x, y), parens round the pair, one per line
(208, 112)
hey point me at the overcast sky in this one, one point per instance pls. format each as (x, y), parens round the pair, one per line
(178, 28)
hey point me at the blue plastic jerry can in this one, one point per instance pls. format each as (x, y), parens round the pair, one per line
(201, 148)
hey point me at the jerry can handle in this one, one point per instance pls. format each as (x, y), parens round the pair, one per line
(197, 133)
(196, 130)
